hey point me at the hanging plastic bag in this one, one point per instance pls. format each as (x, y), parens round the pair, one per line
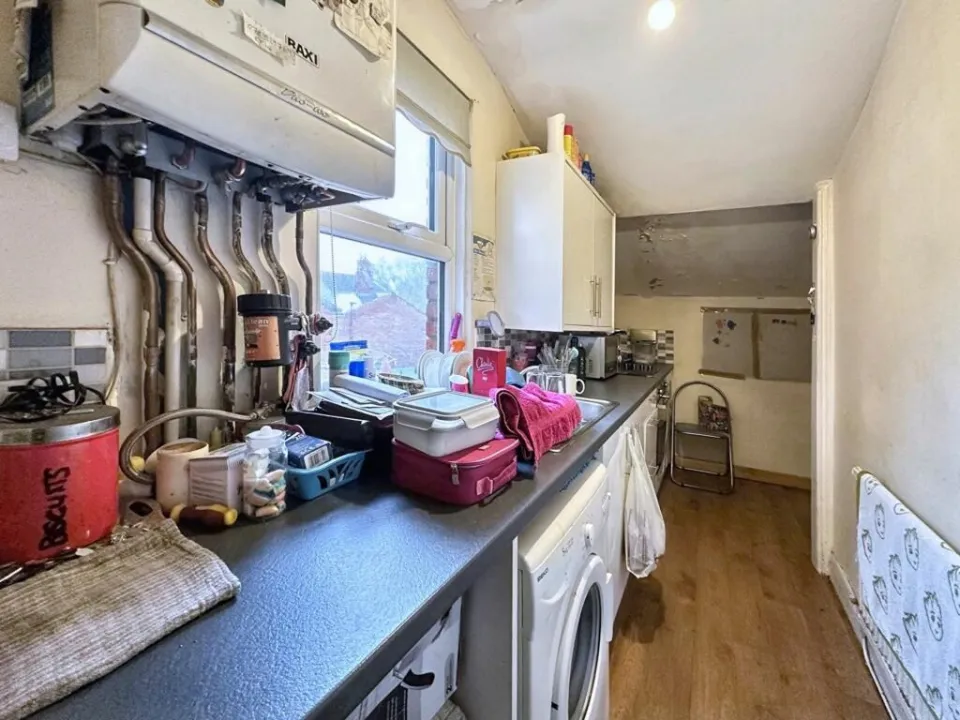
(645, 535)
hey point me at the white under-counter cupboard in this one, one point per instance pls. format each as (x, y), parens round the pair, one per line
(644, 420)
(555, 247)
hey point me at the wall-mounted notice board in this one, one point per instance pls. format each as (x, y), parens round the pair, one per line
(757, 343)
(728, 342)
(784, 346)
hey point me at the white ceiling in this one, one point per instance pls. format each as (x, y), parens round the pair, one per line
(756, 252)
(741, 103)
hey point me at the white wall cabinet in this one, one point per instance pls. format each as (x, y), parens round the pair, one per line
(555, 247)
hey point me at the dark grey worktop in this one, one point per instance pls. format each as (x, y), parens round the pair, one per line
(334, 593)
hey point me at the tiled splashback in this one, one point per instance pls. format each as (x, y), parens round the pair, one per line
(28, 353)
(485, 338)
(665, 339)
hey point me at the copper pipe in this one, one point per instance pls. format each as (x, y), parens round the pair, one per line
(229, 323)
(249, 273)
(307, 274)
(266, 243)
(239, 169)
(189, 288)
(150, 290)
(246, 269)
(229, 176)
(308, 280)
(185, 159)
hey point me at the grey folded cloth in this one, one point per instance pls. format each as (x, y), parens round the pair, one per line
(79, 621)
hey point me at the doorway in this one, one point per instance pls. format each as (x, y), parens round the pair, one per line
(823, 307)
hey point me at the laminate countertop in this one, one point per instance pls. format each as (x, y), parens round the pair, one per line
(334, 592)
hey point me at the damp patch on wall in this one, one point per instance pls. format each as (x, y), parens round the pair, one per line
(748, 252)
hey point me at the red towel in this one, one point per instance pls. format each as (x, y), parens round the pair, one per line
(539, 419)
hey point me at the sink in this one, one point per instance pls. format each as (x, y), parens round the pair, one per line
(593, 411)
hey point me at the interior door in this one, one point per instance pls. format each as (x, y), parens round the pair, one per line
(603, 249)
(578, 275)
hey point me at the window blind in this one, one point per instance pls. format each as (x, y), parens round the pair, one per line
(431, 101)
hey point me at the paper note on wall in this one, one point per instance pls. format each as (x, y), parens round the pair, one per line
(484, 269)
(727, 342)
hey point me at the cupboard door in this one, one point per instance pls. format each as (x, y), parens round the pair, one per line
(578, 252)
(603, 249)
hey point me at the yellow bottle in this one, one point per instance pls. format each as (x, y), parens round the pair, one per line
(568, 141)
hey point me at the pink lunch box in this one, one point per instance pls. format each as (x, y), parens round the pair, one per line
(461, 478)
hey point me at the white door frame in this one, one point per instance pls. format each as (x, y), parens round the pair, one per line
(824, 379)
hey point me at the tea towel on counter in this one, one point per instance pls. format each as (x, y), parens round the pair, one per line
(77, 622)
(910, 591)
(539, 419)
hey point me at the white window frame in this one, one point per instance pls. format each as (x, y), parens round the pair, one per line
(448, 244)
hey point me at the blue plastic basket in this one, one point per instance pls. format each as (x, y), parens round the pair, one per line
(311, 484)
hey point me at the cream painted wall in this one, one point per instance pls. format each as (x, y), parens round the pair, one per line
(53, 240)
(897, 263)
(52, 245)
(432, 27)
(771, 420)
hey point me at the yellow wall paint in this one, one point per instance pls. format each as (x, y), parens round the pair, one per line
(771, 420)
(897, 264)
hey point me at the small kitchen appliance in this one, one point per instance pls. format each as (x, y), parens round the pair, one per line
(601, 355)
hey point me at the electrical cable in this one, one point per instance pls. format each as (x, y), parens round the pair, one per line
(44, 398)
(113, 257)
(90, 164)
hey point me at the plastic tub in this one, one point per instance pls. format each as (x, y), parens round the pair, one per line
(311, 484)
(444, 422)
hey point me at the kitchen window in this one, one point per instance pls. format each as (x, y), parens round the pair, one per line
(394, 271)
(414, 199)
(389, 268)
(390, 299)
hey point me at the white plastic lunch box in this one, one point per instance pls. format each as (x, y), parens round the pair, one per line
(444, 422)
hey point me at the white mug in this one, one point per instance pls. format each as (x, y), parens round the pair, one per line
(574, 385)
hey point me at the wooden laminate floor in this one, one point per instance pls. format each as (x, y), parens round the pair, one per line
(736, 624)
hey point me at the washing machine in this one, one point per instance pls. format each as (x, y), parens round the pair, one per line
(566, 603)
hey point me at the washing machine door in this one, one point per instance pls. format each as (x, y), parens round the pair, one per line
(581, 677)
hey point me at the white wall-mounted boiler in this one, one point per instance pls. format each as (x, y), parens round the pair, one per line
(303, 88)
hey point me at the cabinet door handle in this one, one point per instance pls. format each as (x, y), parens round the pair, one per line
(593, 296)
(599, 297)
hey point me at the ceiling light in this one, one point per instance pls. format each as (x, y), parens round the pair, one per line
(662, 14)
